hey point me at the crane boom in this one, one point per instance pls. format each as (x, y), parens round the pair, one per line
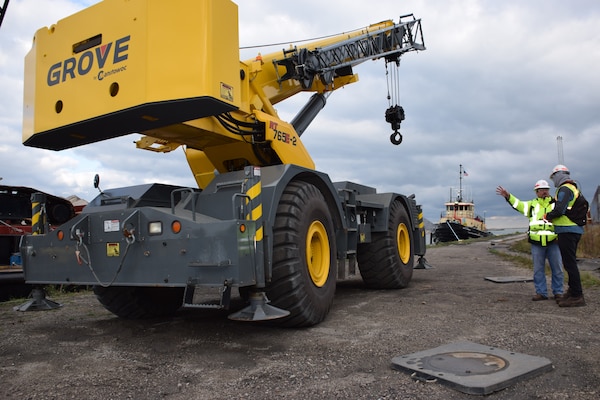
(337, 59)
(3, 11)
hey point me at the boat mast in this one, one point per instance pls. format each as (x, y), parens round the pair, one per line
(460, 174)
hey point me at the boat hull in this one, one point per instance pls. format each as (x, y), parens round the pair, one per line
(450, 231)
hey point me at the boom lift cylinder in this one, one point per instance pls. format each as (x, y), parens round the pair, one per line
(309, 112)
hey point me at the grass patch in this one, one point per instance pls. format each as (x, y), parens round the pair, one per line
(520, 254)
(589, 245)
(589, 280)
(52, 292)
(65, 290)
(521, 260)
(521, 246)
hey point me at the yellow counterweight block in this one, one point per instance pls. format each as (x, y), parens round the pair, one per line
(129, 66)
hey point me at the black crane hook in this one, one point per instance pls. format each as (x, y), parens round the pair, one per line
(396, 138)
(395, 115)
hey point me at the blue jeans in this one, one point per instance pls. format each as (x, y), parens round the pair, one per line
(539, 255)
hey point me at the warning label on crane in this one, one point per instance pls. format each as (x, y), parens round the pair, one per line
(111, 225)
(226, 92)
(112, 249)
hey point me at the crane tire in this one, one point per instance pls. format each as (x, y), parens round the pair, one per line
(304, 256)
(387, 261)
(133, 302)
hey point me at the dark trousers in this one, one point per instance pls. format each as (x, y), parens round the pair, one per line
(567, 242)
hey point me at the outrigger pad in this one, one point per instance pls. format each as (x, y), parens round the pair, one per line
(508, 279)
(259, 310)
(422, 264)
(470, 367)
(38, 302)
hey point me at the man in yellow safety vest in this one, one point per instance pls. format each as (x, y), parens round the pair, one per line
(542, 237)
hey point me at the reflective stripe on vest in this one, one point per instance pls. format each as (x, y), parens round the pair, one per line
(542, 232)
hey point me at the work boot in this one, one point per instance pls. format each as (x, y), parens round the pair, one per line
(559, 297)
(572, 301)
(565, 296)
(539, 297)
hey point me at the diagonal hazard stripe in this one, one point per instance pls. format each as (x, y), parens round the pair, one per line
(254, 191)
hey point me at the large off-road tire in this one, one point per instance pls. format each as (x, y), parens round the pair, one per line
(304, 256)
(131, 302)
(387, 262)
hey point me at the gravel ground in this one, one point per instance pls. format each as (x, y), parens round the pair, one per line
(83, 351)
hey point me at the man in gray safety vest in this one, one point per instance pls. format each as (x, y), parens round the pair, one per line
(568, 232)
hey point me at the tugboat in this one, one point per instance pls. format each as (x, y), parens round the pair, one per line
(459, 221)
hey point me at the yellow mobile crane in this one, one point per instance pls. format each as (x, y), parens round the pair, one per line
(262, 219)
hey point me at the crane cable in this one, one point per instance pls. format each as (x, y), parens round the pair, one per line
(393, 80)
(395, 113)
(301, 41)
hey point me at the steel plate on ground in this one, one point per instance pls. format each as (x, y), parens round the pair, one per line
(471, 368)
(508, 279)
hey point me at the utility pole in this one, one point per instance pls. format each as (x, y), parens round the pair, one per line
(559, 143)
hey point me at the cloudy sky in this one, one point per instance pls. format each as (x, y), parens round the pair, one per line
(498, 83)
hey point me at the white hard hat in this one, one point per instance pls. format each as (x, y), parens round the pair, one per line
(560, 167)
(541, 184)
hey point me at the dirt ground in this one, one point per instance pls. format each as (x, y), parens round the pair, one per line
(82, 351)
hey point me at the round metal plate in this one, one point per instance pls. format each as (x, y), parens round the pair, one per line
(465, 363)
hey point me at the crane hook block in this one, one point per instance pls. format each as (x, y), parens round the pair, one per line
(396, 138)
(395, 115)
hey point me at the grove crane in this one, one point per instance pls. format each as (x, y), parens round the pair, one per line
(262, 219)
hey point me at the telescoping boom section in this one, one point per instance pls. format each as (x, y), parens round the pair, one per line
(262, 219)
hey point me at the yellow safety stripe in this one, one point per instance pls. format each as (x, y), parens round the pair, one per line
(256, 212)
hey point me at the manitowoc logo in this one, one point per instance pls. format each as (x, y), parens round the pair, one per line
(97, 57)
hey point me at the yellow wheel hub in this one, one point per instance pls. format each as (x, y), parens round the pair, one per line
(317, 253)
(403, 242)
